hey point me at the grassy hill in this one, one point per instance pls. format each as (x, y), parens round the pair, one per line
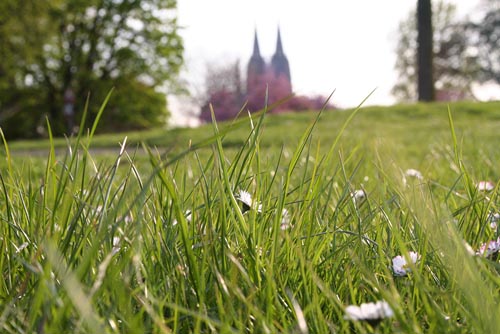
(370, 122)
(412, 135)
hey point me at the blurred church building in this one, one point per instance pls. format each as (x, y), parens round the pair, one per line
(258, 72)
(268, 87)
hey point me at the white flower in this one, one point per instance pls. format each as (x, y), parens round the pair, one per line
(188, 214)
(128, 218)
(493, 218)
(400, 265)
(248, 203)
(489, 248)
(116, 245)
(414, 173)
(259, 251)
(98, 210)
(358, 196)
(285, 220)
(368, 311)
(485, 186)
(244, 197)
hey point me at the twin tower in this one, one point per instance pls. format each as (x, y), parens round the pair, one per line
(259, 73)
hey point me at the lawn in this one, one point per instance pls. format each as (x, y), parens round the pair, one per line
(274, 224)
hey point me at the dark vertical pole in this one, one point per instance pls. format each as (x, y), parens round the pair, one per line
(424, 53)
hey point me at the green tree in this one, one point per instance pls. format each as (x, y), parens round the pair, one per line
(89, 46)
(484, 35)
(454, 65)
(20, 46)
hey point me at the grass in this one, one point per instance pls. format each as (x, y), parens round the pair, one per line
(105, 244)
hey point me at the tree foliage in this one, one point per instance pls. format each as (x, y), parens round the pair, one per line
(455, 64)
(89, 46)
(484, 35)
(225, 93)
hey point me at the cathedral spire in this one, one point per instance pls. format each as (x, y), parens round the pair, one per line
(279, 62)
(279, 46)
(256, 65)
(256, 49)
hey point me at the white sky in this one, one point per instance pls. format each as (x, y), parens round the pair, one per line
(346, 45)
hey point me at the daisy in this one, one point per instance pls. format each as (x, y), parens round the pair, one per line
(358, 196)
(489, 249)
(372, 313)
(248, 203)
(128, 218)
(285, 220)
(400, 265)
(116, 245)
(414, 173)
(189, 217)
(485, 186)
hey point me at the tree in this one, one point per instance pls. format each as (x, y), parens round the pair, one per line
(424, 51)
(224, 104)
(454, 65)
(223, 90)
(20, 46)
(277, 88)
(90, 46)
(484, 35)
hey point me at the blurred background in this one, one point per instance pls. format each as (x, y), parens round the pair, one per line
(168, 61)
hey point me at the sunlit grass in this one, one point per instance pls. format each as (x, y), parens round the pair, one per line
(148, 241)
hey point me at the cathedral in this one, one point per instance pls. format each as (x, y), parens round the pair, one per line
(266, 84)
(278, 71)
